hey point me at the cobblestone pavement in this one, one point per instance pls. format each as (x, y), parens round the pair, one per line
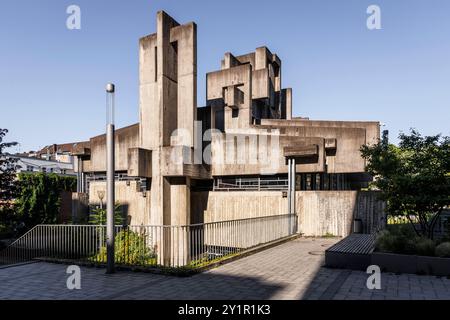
(288, 271)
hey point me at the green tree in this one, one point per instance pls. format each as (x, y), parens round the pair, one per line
(413, 177)
(98, 216)
(8, 189)
(39, 198)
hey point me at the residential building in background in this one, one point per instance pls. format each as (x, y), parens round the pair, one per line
(33, 165)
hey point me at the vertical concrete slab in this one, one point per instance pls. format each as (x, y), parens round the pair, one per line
(167, 77)
(185, 37)
(288, 99)
(168, 101)
(261, 56)
(149, 112)
(180, 216)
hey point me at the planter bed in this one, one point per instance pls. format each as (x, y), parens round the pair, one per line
(356, 252)
(402, 263)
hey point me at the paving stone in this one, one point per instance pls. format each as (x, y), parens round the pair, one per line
(287, 271)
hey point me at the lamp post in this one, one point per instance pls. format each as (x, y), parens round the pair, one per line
(110, 90)
(101, 195)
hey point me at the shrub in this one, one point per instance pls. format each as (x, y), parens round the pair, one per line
(131, 248)
(425, 246)
(98, 216)
(403, 240)
(397, 240)
(4, 232)
(328, 235)
(385, 241)
(405, 230)
(443, 250)
(39, 197)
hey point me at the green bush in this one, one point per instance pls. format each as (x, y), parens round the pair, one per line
(5, 232)
(39, 197)
(98, 216)
(131, 248)
(403, 240)
(443, 250)
(385, 241)
(403, 230)
(400, 239)
(425, 246)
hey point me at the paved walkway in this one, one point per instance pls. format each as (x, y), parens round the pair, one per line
(289, 271)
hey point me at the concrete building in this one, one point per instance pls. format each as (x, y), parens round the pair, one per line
(241, 155)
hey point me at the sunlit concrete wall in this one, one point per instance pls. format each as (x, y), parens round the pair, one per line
(133, 204)
(232, 205)
(333, 212)
(319, 212)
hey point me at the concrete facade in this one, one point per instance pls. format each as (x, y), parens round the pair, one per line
(179, 151)
(319, 213)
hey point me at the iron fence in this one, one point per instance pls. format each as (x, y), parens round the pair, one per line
(251, 184)
(441, 229)
(150, 246)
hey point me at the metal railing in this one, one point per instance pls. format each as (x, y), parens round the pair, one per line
(441, 229)
(251, 184)
(150, 246)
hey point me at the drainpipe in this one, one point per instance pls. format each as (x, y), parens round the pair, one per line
(291, 191)
(291, 186)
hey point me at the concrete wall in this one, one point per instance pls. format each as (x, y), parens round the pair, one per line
(134, 205)
(254, 154)
(125, 138)
(320, 212)
(80, 207)
(65, 210)
(222, 206)
(324, 213)
(240, 77)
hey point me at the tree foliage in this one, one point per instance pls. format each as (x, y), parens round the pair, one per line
(413, 177)
(7, 171)
(131, 248)
(7, 183)
(98, 216)
(39, 197)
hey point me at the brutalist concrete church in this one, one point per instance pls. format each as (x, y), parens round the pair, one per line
(242, 155)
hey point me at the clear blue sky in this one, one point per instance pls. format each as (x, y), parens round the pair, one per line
(52, 79)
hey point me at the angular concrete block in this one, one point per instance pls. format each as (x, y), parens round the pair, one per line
(139, 162)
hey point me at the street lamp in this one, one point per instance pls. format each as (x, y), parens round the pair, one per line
(101, 195)
(110, 90)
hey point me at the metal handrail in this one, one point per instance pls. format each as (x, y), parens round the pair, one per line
(24, 235)
(150, 245)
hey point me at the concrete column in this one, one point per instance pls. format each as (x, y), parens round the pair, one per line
(168, 101)
(288, 103)
(291, 186)
(180, 216)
